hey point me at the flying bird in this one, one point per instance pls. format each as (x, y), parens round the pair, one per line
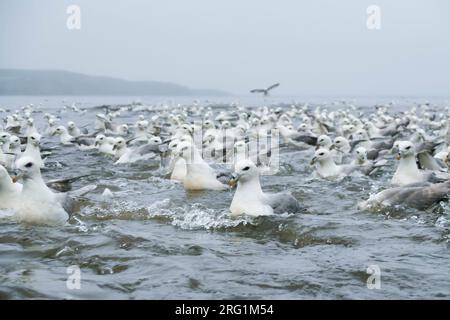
(265, 91)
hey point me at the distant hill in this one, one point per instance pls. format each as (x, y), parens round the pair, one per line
(52, 82)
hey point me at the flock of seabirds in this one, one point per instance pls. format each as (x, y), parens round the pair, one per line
(343, 141)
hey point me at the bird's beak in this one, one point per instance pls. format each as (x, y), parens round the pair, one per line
(332, 146)
(96, 144)
(234, 180)
(398, 157)
(317, 147)
(114, 147)
(17, 176)
(313, 161)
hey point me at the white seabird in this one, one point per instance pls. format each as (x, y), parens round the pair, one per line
(326, 168)
(249, 198)
(37, 203)
(32, 149)
(199, 175)
(407, 171)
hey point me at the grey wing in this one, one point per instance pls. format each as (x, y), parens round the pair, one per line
(325, 127)
(148, 148)
(372, 154)
(426, 161)
(437, 176)
(426, 197)
(92, 134)
(67, 202)
(441, 164)
(63, 185)
(257, 90)
(83, 141)
(398, 195)
(283, 202)
(15, 130)
(348, 169)
(382, 145)
(224, 177)
(426, 146)
(273, 86)
(312, 141)
(389, 132)
(354, 144)
(109, 125)
(367, 169)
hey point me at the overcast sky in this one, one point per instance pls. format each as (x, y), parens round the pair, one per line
(314, 48)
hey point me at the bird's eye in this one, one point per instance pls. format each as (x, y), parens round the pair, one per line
(32, 138)
(29, 165)
(321, 154)
(174, 145)
(408, 147)
(246, 168)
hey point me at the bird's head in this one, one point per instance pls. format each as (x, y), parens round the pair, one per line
(361, 154)
(26, 168)
(208, 124)
(361, 134)
(323, 141)
(123, 128)
(244, 170)
(226, 125)
(320, 155)
(99, 140)
(405, 149)
(14, 141)
(34, 139)
(4, 137)
(59, 131)
(119, 144)
(339, 142)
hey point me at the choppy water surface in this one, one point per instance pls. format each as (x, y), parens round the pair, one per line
(153, 240)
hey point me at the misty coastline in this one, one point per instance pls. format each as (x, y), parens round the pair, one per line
(56, 82)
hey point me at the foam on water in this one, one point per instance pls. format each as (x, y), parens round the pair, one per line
(195, 216)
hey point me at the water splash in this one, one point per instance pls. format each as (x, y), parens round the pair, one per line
(195, 216)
